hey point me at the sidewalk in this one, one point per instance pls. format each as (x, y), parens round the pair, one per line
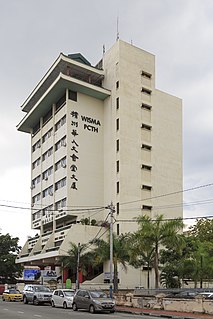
(163, 313)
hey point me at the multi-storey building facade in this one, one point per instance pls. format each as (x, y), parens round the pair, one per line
(100, 134)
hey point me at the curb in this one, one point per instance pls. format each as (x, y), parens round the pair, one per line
(157, 315)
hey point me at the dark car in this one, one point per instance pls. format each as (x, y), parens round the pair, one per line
(93, 301)
(37, 294)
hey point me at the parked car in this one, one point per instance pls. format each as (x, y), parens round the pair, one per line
(207, 295)
(37, 294)
(62, 298)
(93, 301)
(12, 295)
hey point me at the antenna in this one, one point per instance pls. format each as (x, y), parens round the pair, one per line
(104, 50)
(117, 37)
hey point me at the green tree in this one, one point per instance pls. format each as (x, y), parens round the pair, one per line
(120, 253)
(158, 233)
(202, 230)
(142, 253)
(9, 249)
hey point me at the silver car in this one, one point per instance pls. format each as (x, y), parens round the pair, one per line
(62, 298)
(93, 301)
(36, 294)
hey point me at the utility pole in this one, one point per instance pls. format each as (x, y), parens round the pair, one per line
(77, 268)
(112, 211)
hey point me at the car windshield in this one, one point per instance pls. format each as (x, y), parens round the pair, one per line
(69, 293)
(14, 291)
(40, 288)
(98, 294)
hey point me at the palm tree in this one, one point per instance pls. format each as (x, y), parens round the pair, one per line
(141, 254)
(120, 254)
(158, 232)
(78, 259)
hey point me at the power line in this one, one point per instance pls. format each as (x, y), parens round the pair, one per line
(166, 219)
(168, 194)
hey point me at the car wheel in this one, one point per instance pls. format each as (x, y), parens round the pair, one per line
(112, 311)
(65, 305)
(52, 303)
(25, 300)
(74, 307)
(35, 301)
(91, 309)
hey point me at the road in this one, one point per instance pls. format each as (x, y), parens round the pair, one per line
(18, 310)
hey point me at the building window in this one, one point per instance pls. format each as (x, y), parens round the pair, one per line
(61, 142)
(117, 124)
(146, 91)
(60, 204)
(117, 208)
(118, 230)
(72, 95)
(47, 154)
(146, 147)
(146, 187)
(36, 128)
(146, 207)
(117, 84)
(146, 127)
(36, 145)
(117, 145)
(61, 163)
(117, 166)
(36, 198)
(146, 167)
(60, 184)
(60, 103)
(36, 163)
(47, 191)
(47, 135)
(117, 187)
(36, 180)
(117, 103)
(146, 107)
(47, 116)
(60, 123)
(146, 75)
(47, 173)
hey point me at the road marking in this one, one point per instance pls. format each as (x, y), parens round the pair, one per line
(20, 311)
(38, 316)
(5, 309)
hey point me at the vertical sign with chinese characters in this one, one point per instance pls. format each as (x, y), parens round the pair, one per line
(74, 150)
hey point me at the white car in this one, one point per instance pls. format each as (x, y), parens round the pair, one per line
(62, 298)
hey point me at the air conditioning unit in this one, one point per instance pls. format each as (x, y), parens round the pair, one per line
(45, 178)
(63, 143)
(50, 193)
(63, 165)
(33, 186)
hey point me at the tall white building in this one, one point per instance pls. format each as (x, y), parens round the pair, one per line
(100, 134)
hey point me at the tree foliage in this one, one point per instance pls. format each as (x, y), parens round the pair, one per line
(157, 233)
(9, 249)
(120, 253)
(202, 230)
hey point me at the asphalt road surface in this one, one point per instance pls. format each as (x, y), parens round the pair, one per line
(18, 310)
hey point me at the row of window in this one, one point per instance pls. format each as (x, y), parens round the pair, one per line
(49, 190)
(49, 133)
(48, 211)
(58, 105)
(49, 152)
(49, 171)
